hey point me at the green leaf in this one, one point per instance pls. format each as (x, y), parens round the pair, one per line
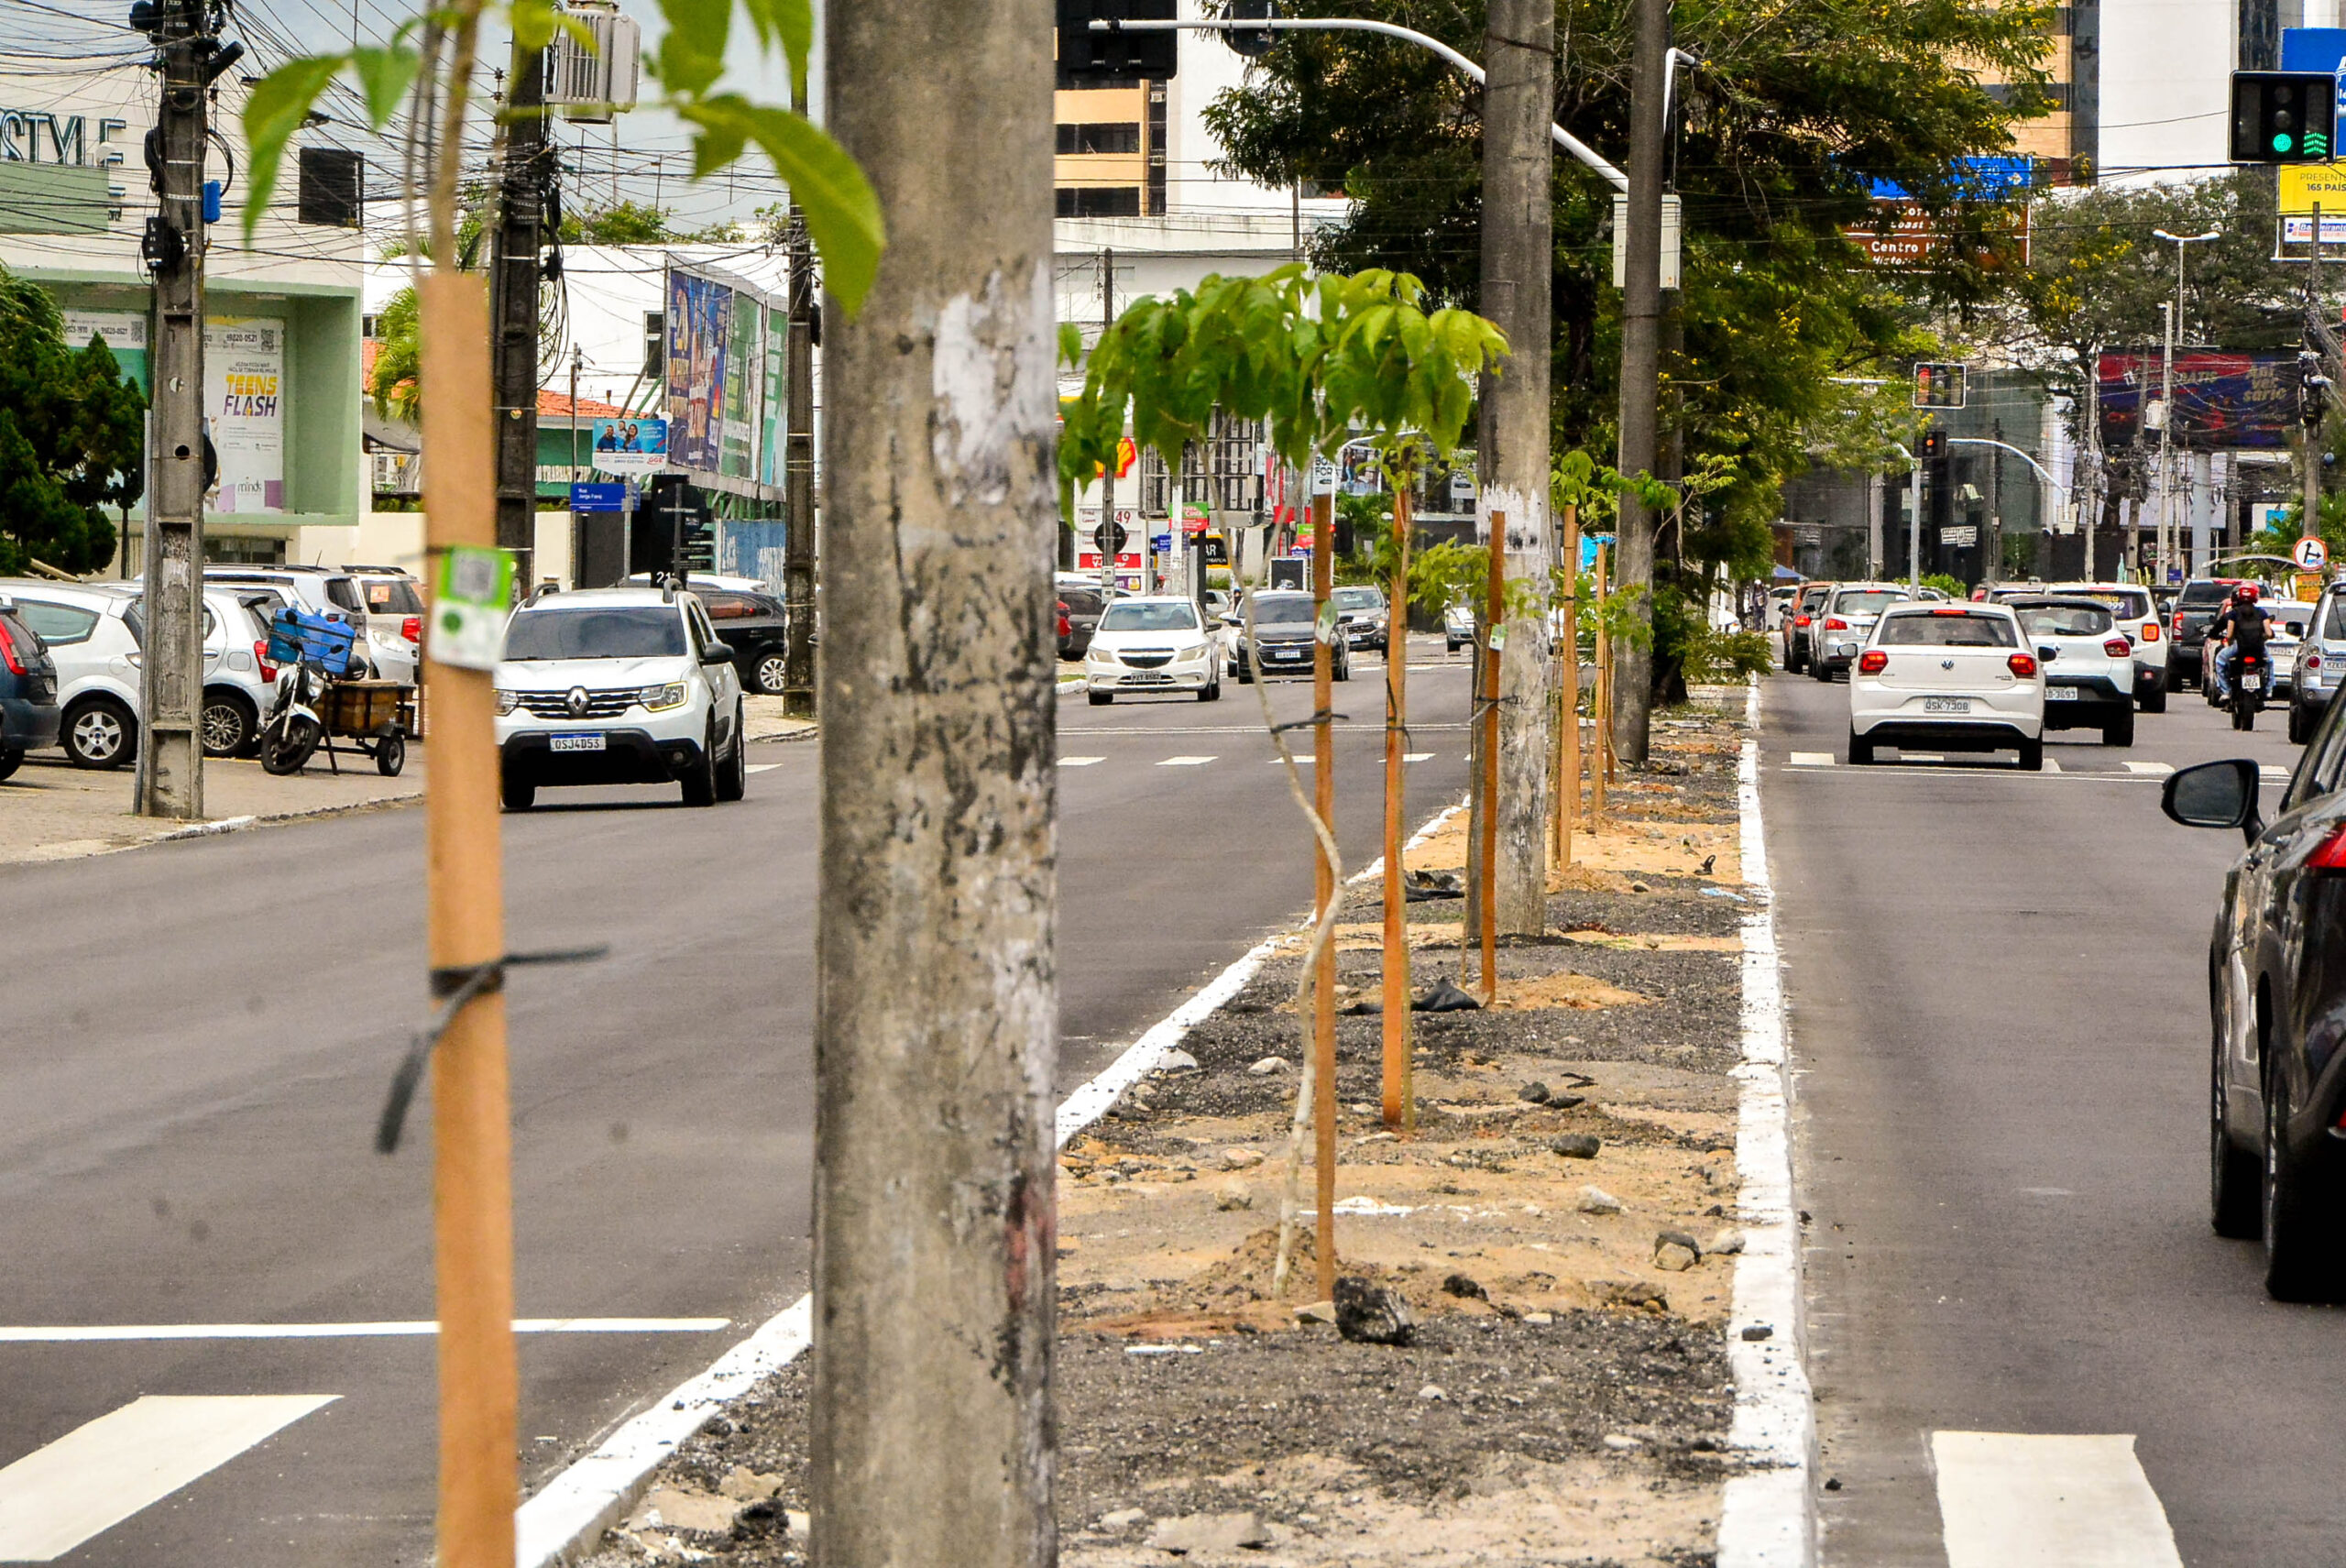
(842, 211)
(534, 24)
(386, 75)
(791, 22)
(275, 110)
(692, 56)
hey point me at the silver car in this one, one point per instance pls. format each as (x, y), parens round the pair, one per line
(2321, 664)
(1845, 622)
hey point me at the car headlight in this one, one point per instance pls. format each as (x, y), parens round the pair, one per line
(1099, 655)
(1191, 655)
(655, 699)
(507, 701)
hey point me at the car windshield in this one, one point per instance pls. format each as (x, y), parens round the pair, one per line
(2284, 612)
(1359, 599)
(1144, 616)
(2202, 595)
(1287, 609)
(392, 596)
(646, 632)
(1948, 629)
(1873, 601)
(2065, 621)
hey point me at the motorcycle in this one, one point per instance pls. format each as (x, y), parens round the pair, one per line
(2252, 675)
(292, 730)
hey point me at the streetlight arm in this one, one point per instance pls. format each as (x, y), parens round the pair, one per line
(1563, 138)
(2006, 446)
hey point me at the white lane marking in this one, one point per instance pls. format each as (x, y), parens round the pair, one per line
(1767, 1517)
(1921, 757)
(1417, 756)
(2053, 766)
(1080, 761)
(105, 1333)
(1185, 761)
(760, 767)
(572, 1510)
(2276, 775)
(99, 1473)
(1811, 759)
(2152, 770)
(2038, 1500)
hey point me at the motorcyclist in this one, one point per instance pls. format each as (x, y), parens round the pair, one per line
(2240, 628)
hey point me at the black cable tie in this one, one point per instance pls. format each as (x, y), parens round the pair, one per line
(457, 987)
(1322, 717)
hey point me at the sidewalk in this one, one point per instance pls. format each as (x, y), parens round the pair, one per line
(52, 810)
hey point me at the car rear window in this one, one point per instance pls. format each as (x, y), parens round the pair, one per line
(390, 595)
(1948, 629)
(2122, 603)
(1150, 617)
(2064, 620)
(1869, 602)
(2333, 615)
(2199, 596)
(344, 592)
(646, 632)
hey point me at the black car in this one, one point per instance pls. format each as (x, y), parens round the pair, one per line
(1283, 639)
(2196, 607)
(757, 628)
(28, 691)
(2277, 992)
(1085, 603)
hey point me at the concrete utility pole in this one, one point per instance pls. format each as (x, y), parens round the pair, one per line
(171, 750)
(2167, 439)
(799, 480)
(1518, 202)
(2089, 513)
(1991, 558)
(936, 1003)
(1640, 363)
(514, 271)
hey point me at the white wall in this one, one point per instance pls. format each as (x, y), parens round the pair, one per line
(2166, 88)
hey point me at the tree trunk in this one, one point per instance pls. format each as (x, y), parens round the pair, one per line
(1641, 367)
(937, 1002)
(1518, 101)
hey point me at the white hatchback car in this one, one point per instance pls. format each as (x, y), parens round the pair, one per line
(2088, 663)
(1159, 643)
(1947, 677)
(619, 685)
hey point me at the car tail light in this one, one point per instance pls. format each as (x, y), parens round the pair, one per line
(8, 652)
(1835, 623)
(2313, 661)
(1872, 661)
(411, 628)
(2119, 648)
(2178, 624)
(2023, 666)
(1950, 612)
(2331, 856)
(2150, 631)
(1800, 620)
(260, 657)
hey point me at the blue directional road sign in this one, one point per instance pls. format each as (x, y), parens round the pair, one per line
(598, 497)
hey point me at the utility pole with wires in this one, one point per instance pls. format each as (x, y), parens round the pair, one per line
(525, 193)
(799, 480)
(188, 56)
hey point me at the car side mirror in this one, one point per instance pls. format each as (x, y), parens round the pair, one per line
(2216, 795)
(718, 652)
(2047, 654)
(2295, 627)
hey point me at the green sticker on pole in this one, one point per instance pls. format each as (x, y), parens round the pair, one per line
(468, 613)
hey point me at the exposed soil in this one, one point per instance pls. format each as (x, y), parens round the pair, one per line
(1566, 1397)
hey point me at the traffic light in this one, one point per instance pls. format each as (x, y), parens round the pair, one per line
(2283, 116)
(2313, 388)
(1933, 443)
(1088, 59)
(1940, 386)
(1254, 44)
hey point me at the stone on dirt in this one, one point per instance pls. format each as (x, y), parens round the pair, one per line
(1535, 1091)
(748, 1486)
(1240, 1158)
(1187, 1533)
(1621, 1443)
(1597, 1201)
(1462, 1286)
(691, 1511)
(1268, 1066)
(1674, 1252)
(1317, 1312)
(1432, 1391)
(1233, 1196)
(1726, 1244)
(1123, 1519)
(1576, 1145)
(1370, 1314)
(1176, 1061)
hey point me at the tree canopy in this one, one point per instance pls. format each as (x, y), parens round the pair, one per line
(71, 438)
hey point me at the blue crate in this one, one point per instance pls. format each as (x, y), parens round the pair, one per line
(300, 636)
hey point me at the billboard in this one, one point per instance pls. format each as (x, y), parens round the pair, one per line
(2221, 400)
(700, 333)
(726, 379)
(631, 445)
(243, 398)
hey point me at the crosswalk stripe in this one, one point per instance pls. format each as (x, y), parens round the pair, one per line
(761, 767)
(1080, 761)
(2154, 770)
(2275, 775)
(99, 1473)
(1185, 761)
(1811, 759)
(2043, 1500)
(1417, 756)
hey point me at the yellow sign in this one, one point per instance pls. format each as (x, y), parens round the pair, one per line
(2303, 184)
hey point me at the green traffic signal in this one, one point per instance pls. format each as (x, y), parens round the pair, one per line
(2281, 142)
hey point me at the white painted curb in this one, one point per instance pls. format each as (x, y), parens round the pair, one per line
(1769, 1517)
(562, 1522)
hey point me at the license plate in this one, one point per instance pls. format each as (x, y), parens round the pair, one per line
(1285, 658)
(1946, 705)
(2254, 683)
(574, 742)
(2060, 693)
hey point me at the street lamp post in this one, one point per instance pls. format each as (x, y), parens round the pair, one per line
(2174, 323)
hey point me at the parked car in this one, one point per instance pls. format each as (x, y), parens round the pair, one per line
(95, 633)
(2088, 663)
(756, 626)
(2321, 664)
(330, 591)
(1458, 626)
(1780, 605)
(1155, 642)
(394, 621)
(1947, 678)
(1085, 601)
(1284, 633)
(619, 685)
(1360, 610)
(28, 710)
(1797, 625)
(1844, 620)
(2195, 607)
(2137, 615)
(2276, 989)
(698, 582)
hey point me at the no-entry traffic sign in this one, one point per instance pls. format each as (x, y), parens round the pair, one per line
(2312, 554)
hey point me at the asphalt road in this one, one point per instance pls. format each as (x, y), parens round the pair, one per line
(1997, 996)
(198, 1036)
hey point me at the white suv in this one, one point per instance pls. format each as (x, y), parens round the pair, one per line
(619, 685)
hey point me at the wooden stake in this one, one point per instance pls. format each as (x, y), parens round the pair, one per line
(1400, 1100)
(1325, 890)
(1568, 708)
(1601, 765)
(472, 1207)
(1495, 607)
